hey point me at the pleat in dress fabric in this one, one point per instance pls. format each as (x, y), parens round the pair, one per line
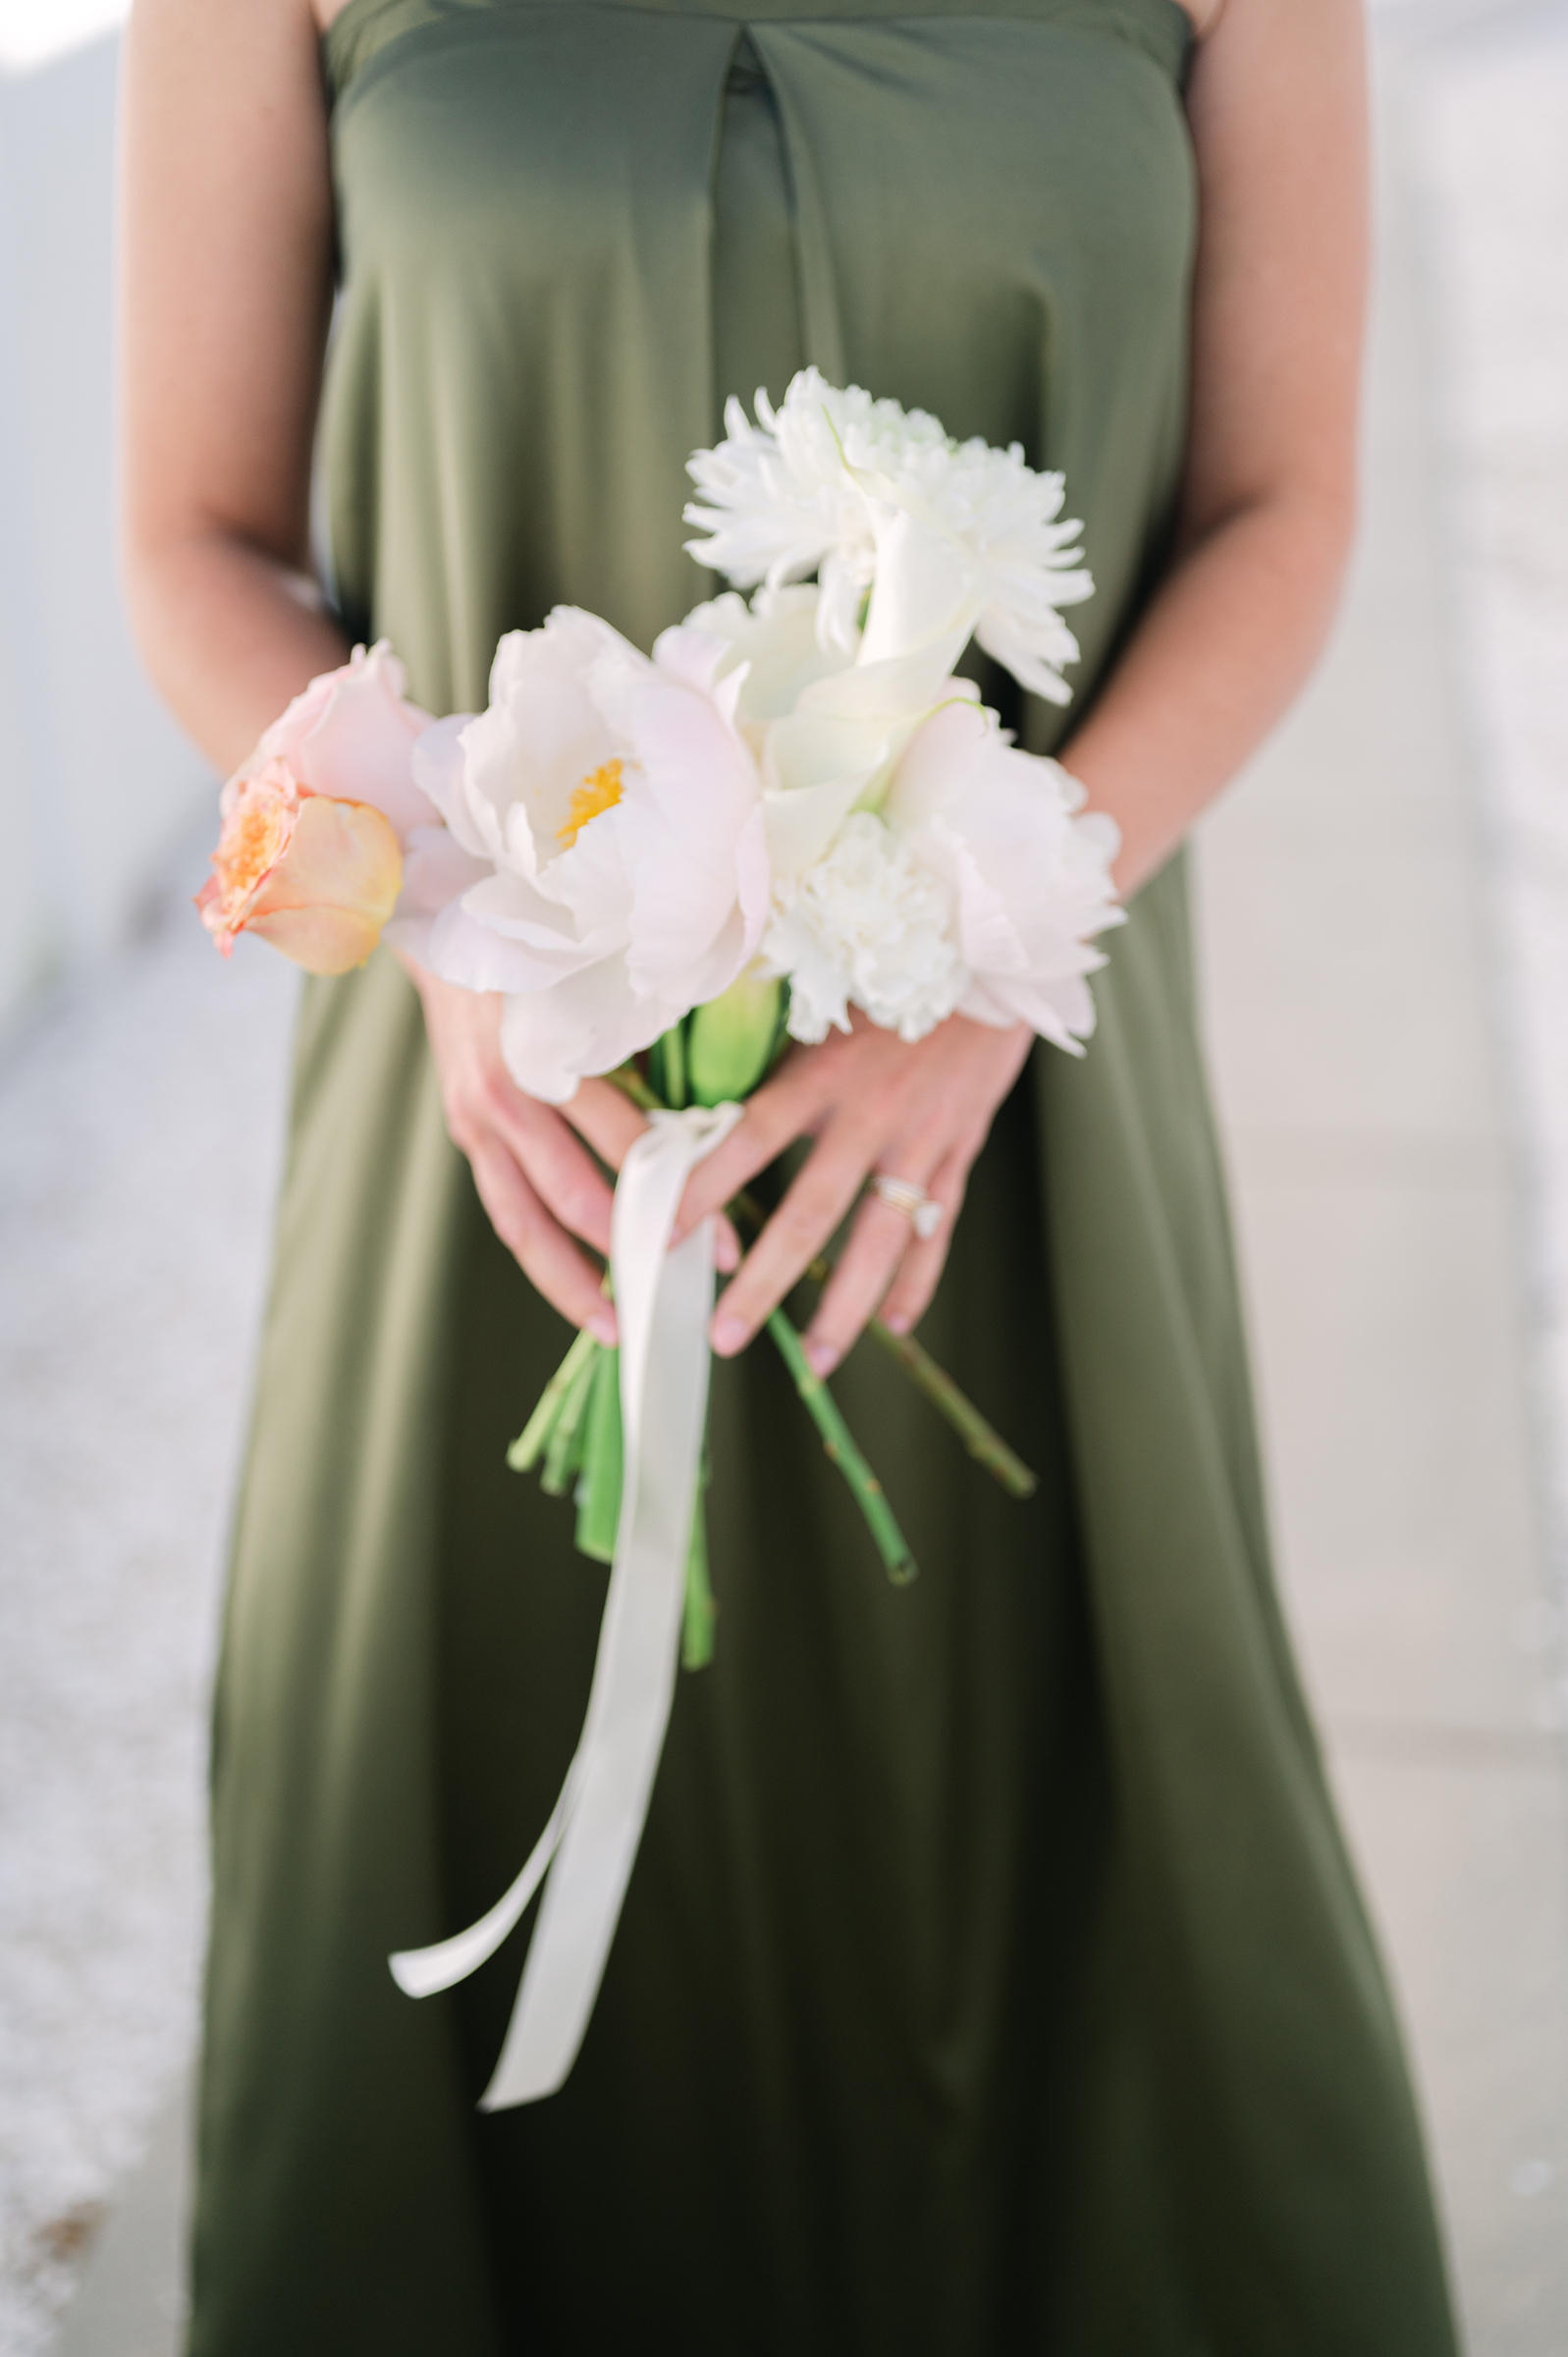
(992, 1978)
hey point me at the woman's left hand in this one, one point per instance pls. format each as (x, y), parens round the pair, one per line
(871, 1102)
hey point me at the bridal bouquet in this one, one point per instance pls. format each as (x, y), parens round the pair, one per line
(669, 865)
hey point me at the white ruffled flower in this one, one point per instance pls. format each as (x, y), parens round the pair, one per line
(604, 862)
(868, 924)
(801, 489)
(975, 888)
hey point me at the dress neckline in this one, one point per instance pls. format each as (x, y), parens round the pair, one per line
(1167, 28)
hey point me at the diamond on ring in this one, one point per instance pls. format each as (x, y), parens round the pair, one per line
(922, 1215)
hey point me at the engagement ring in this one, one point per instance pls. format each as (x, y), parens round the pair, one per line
(922, 1215)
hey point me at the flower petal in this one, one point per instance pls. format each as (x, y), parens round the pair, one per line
(359, 745)
(436, 872)
(551, 1039)
(341, 857)
(324, 941)
(437, 766)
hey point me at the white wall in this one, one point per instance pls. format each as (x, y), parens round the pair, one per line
(95, 782)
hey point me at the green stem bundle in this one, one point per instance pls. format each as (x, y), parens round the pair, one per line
(576, 1430)
(564, 1449)
(701, 1610)
(534, 1437)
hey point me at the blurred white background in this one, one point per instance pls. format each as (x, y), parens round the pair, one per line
(94, 782)
(1384, 910)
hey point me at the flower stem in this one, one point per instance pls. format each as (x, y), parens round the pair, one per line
(530, 1443)
(632, 1083)
(700, 1611)
(563, 1452)
(837, 1441)
(599, 1489)
(983, 1442)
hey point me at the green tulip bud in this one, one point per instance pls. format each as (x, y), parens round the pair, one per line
(733, 1040)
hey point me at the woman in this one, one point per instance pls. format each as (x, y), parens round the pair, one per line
(992, 1977)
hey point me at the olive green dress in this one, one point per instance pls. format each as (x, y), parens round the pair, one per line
(991, 1981)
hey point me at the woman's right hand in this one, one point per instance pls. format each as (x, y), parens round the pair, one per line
(536, 1176)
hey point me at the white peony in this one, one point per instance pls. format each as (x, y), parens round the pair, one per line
(603, 863)
(1029, 869)
(867, 924)
(802, 489)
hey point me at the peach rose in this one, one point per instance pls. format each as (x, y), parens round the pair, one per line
(316, 823)
(316, 877)
(350, 735)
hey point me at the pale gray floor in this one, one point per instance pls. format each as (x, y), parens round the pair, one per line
(131, 2302)
(1354, 1012)
(139, 1127)
(1487, 137)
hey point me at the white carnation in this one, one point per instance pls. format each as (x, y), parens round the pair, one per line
(869, 924)
(800, 491)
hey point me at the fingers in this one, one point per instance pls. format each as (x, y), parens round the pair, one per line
(868, 1098)
(878, 1245)
(559, 1170)
(485, 1111)
(607, 1117)
(540, 1247)
(612, 1124)
(920, 1270)
(804, 1221)
(782, 1110)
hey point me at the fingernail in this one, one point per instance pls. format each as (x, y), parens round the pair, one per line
(602, 1326)
(898, 1323)
(728, 1335)
(821, 1358)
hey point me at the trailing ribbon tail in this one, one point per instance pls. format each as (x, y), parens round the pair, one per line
(422, 1971)
(663, 1301)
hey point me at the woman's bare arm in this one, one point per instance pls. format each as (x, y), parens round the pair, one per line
(1277, 108)
(226, 288)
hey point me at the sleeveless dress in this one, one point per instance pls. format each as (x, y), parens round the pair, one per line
(991, 1980)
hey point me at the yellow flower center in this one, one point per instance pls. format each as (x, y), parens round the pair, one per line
(600, 791)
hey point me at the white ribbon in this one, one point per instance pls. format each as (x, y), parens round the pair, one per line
(663, 1303)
